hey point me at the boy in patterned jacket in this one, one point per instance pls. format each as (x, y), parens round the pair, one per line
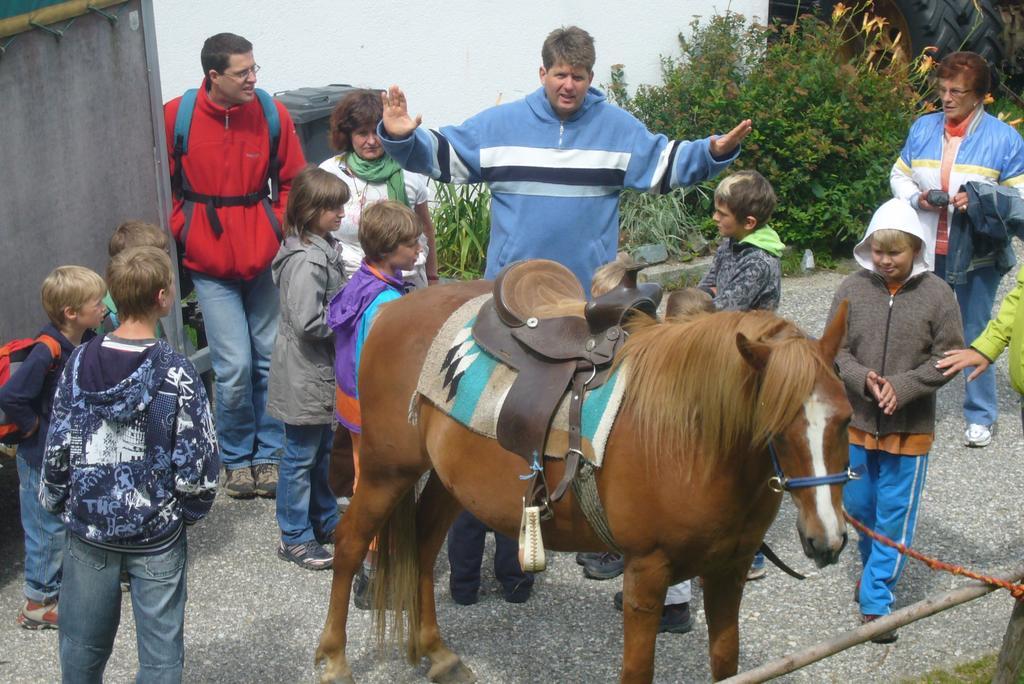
(130, 460)
(746, 273)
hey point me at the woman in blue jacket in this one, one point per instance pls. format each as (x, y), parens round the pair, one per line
(945, 150)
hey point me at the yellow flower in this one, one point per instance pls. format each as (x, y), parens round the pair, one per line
(989, 99)
(838, 11)
(875, 23)
(926, 64)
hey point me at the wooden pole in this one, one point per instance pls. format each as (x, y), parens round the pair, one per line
(1011, 658)
(902, 617)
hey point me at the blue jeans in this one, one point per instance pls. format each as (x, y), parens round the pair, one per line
(44, 538)
(886, 498)
(976, 298)
(306, 506)
(241, 325)
(90, 611)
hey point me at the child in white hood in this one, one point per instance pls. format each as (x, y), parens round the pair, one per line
(901, 320)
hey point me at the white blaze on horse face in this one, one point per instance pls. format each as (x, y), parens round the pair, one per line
(818, 412)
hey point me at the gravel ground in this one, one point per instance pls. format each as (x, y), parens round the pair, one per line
(252, 617)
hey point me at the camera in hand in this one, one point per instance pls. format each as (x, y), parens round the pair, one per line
(937, 198)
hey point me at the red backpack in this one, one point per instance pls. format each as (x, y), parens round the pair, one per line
(12, 355)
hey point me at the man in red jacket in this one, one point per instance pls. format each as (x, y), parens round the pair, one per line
(228, 228)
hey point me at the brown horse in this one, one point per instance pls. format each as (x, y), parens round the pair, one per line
(687, 481)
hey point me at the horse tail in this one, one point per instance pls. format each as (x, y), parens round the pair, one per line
(396, 580)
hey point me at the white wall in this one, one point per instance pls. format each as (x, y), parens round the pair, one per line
(452, 57)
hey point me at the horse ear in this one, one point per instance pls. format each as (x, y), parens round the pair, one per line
(834, 333)
(754, 353)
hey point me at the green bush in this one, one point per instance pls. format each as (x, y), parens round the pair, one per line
(826, 130)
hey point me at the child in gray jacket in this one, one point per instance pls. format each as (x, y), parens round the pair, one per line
(901, 320)
(308, 272)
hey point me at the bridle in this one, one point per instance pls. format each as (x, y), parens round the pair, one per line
(780, 483)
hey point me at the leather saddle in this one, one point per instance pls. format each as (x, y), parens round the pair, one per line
(539, 323)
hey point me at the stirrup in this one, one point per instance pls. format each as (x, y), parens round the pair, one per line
(531, 544)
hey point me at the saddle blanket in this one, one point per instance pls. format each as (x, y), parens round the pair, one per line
(470, 385)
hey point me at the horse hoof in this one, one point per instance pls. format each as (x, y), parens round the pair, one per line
(337, 679)
(331, 675)
(454, 673)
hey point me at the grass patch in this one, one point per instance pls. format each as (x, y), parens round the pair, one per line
(980, 671)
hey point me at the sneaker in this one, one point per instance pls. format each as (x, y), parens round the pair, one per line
(883, 638)
(238, 483)
(978, 435)
(757, 569)
(361, 590)
(584, 557)
(607, 566)
(309, 555)
(38, 615)
(266, 479)
(675, 618)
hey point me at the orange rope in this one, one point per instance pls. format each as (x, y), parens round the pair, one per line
(1016, 590)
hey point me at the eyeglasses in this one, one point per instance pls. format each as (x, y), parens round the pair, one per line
(244, 74)
(954, 93)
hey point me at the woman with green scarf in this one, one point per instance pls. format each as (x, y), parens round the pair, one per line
(373, 176)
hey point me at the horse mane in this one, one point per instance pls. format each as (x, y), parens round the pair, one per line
(696, 400)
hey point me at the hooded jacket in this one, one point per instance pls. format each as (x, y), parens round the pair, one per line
(350, 315)
(555, 184)
(228, 155)
(900, 336)
(307, 275)
(131, 453)
(746, 274)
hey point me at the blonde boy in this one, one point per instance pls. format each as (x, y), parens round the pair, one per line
(71, 297)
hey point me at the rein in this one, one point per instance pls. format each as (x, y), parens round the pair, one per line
(780, 483)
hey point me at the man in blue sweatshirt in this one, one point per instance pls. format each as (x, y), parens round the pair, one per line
(555, 161)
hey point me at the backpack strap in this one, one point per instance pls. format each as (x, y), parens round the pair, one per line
(50, 343)
(183, 190)
(182, 125)
(273, 118)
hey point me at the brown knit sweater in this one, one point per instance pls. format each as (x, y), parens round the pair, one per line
(900, 337)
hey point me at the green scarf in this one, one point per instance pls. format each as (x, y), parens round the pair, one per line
(381, 170)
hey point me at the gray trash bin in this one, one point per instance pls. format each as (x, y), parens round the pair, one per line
(310, 109)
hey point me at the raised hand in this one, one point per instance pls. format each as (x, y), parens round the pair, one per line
(723, 145)
(397, 122)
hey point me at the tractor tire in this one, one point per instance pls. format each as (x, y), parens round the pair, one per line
(951, 25)
(931, 23)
